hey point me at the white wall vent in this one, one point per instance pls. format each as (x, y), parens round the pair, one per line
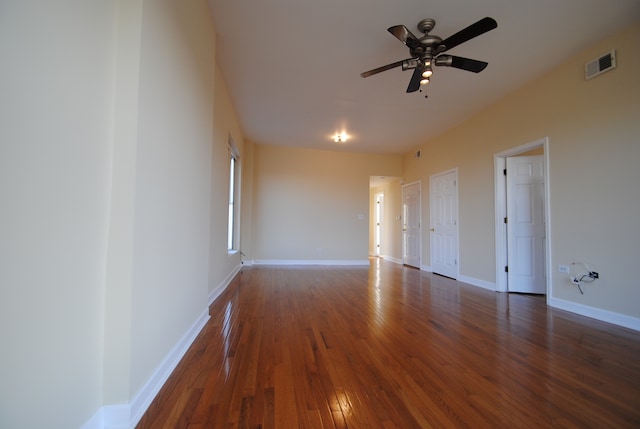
(600, 65)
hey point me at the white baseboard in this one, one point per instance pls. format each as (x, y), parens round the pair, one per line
(214, 294)
(145, 396)
(111, 417)
(309, 262)
(477, 282)
(392, 259)
(127, 416)
(117, 417)
(96, 421)
(596, 313)
(469, 280)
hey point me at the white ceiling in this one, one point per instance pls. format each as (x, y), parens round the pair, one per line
(293, 66)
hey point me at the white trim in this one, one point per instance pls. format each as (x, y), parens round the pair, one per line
(308, 262)
(378, 223)
(392, 259)
(96, 421)
(127, 416)
(214, 294)
(233, 149)
(426, 268)
(477, 282)
(499, 161)
(468, 280)
(148, 392)
(117, 417)
(597, 313)
(500, 181)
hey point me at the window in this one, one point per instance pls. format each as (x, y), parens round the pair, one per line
(232, 242)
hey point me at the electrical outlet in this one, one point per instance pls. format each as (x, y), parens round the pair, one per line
(563, 268)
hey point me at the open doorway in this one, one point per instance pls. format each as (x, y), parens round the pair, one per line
(385, 217)
(522, 218)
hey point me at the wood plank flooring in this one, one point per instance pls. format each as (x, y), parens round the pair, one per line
(388, 346)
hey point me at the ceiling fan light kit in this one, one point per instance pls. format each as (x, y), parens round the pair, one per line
(428, 50)
(340, 138)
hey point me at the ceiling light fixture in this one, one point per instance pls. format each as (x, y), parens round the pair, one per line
(424, 81)
(340, 138)
(427, 72)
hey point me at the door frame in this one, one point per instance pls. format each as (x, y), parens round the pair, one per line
(378, 223)
(404, 186)
(500, 163)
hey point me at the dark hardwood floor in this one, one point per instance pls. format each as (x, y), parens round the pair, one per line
(388, 346)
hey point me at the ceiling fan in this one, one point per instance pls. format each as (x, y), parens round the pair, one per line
(427, 51)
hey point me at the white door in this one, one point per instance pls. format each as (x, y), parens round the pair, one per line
(444, 223)
(525, 224)
(411, 250)
(379, 210)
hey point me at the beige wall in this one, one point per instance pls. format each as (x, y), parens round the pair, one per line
(56, 82)
(119, 261)
(173, 173)
(593, 131)
(226, 128)
(307, 203)
(109, 139)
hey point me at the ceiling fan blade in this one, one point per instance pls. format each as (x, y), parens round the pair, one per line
(461, 63)
(381, 69)
(414, 83)
(403, 34)
(474, 30)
